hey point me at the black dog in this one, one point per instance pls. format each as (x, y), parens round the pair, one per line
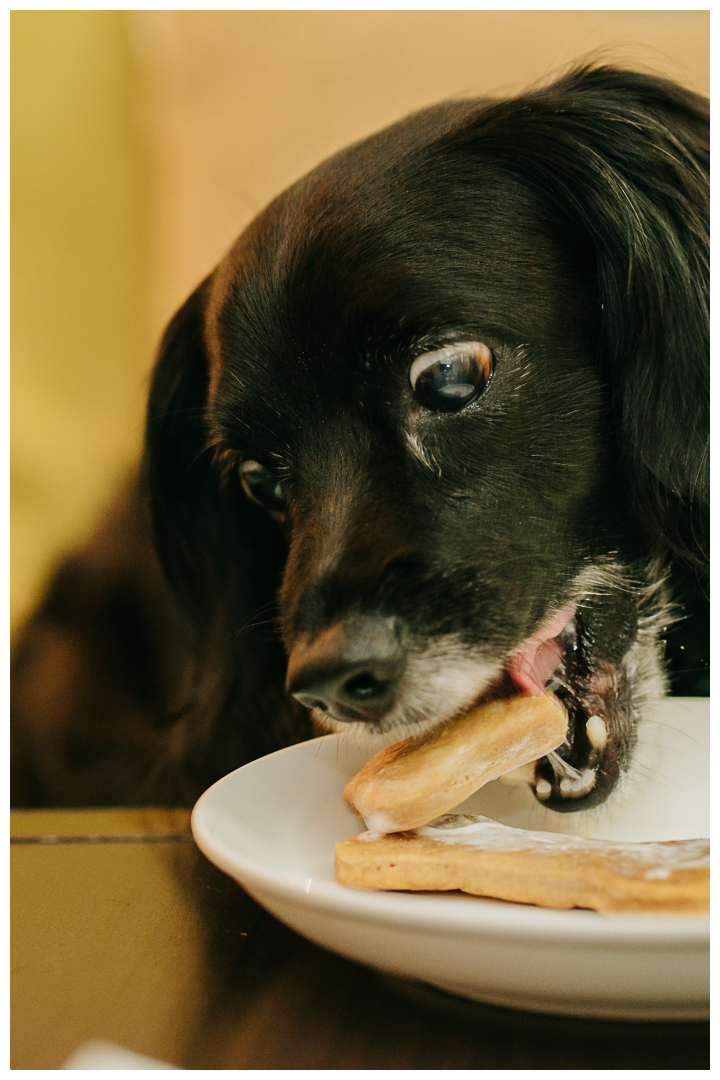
(436, 429)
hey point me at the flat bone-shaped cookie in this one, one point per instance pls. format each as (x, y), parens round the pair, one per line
(484, 858)
(414, 781)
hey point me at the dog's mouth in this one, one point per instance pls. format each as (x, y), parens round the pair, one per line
(598, 693)
(560, 658)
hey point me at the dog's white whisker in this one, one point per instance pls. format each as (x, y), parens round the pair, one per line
(418, 450)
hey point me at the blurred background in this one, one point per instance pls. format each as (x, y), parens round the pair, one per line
(144, 141)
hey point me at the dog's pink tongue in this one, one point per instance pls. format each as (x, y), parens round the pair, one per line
(533, 664)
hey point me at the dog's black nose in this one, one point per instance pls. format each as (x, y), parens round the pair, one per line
(351, 670)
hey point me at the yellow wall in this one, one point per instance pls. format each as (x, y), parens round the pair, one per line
(143, 141)
(79, 277)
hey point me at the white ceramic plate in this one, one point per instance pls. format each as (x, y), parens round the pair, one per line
(273, 825)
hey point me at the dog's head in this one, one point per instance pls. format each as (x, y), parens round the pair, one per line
(445, 401)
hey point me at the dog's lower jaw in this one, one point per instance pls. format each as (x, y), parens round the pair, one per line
(602, 731)
(605, 703)
(607, 690)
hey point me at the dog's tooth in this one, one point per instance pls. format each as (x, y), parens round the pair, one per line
(572, 787)
(543, 789)
(597, 732)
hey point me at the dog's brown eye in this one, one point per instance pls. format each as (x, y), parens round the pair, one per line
(449, 379)
(262, 487)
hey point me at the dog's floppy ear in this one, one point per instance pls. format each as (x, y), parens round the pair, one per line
(216, 547)
(623, 159)
(222, 557)
(651, 233)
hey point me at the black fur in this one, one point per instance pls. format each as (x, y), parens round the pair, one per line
(567, 229)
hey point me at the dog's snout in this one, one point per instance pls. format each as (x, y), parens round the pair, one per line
(351, 670)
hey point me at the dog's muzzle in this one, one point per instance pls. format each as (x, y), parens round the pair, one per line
(351, 670)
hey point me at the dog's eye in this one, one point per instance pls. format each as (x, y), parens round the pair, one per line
(262, 487)
(449, 379)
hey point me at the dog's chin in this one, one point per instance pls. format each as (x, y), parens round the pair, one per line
(603, 700)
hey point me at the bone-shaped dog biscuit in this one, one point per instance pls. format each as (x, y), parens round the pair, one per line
(413, 782)
(483, 857)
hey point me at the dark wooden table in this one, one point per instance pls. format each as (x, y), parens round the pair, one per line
(122, 931)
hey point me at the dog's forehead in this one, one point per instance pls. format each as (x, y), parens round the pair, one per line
(389, 243)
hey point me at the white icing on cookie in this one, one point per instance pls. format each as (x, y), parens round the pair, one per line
(659, 859)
